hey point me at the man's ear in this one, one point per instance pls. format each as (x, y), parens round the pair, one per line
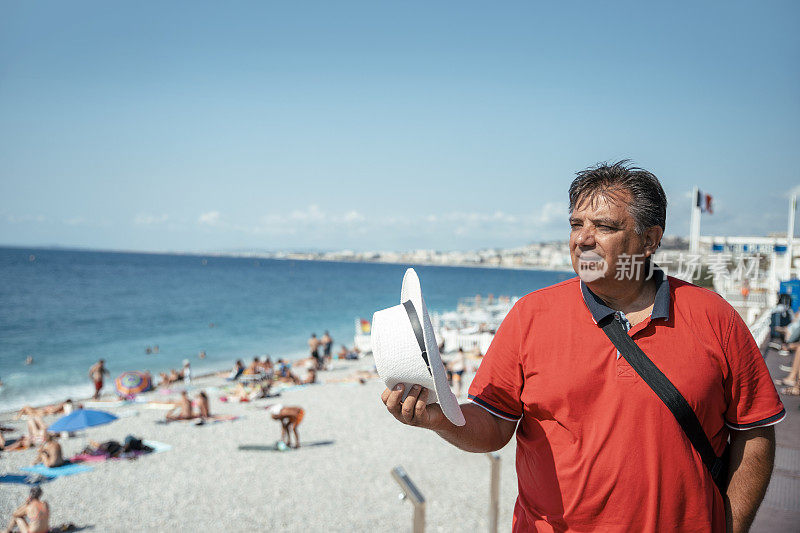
(652, 240)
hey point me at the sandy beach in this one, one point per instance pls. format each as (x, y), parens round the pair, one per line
(339, 480)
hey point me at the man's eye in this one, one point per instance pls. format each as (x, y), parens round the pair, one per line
(574, 225)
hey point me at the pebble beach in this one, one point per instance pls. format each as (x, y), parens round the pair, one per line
(225, 475)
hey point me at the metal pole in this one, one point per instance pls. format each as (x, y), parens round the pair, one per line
(494, 492)
(694, 223)
(411, 492)
(790, 238)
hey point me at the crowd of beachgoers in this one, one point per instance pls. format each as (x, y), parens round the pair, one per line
(262, 378)
(177, 398)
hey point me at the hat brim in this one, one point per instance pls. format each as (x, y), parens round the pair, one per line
(412, 291)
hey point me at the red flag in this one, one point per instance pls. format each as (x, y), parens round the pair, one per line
(708, 208)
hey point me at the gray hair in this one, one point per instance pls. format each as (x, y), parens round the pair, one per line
(648, 206)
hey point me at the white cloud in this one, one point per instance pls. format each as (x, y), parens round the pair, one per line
(311, 213)
(552, 212)
(353, 216)
(210, 218)
(21, 219)
(148, 219)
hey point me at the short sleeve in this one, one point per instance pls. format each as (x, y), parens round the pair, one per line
(497, 385)
(752, 398)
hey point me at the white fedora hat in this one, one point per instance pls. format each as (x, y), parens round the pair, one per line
(405, 349)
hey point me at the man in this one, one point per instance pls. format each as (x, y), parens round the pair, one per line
(313, 346)
(184, 409)
(33, 516)
(49, 453)
(327, 344)
(289, 417)
(96, 372)
(596, 448)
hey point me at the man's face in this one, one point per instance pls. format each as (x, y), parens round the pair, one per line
(602, 230)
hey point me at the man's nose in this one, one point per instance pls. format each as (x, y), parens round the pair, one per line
(585, 237)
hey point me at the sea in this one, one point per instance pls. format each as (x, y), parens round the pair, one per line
(66, 309)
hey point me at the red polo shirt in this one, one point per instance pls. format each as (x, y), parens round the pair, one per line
(597, 450)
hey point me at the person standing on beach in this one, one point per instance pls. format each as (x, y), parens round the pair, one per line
(327, 343)
(96, 372)
(33, 516)
(187, 372)
(313, 346)
(597, 449)
(289, 417)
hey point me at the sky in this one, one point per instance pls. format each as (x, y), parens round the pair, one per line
(189, 126)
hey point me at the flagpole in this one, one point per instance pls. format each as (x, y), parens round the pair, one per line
(694, 223)
(790, 237)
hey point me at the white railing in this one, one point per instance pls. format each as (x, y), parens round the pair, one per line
(761, 327)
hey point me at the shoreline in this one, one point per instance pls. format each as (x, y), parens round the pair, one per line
(111, 394)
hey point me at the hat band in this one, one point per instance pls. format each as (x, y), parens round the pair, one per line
(415, 325)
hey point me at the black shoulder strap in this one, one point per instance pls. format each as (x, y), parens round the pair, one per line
(665, 390)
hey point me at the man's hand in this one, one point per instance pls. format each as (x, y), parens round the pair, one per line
(482, 432)
(414, 411)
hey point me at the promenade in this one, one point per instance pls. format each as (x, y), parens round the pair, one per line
(780, 510)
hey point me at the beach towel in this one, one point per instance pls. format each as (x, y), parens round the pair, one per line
(22, 479)
(66, 470)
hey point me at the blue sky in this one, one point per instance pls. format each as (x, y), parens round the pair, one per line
(383, 125)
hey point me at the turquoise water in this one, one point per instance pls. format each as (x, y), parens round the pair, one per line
(67, 309)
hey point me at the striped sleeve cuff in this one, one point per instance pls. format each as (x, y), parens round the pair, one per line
(771, 421)
(492, 409)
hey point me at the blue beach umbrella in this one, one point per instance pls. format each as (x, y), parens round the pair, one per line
(81, 419)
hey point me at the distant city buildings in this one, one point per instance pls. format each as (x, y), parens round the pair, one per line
(553, 255)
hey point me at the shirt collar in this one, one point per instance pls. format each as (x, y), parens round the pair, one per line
(600, 310)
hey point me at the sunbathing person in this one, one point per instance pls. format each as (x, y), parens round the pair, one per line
(289, 417)
(54, 409)
(311, 376)
(50, 454)
(23, 443)
(254, 368)
(33, 516)
(184, 409)
(245, 394)
(284, 373)
(344, 353)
